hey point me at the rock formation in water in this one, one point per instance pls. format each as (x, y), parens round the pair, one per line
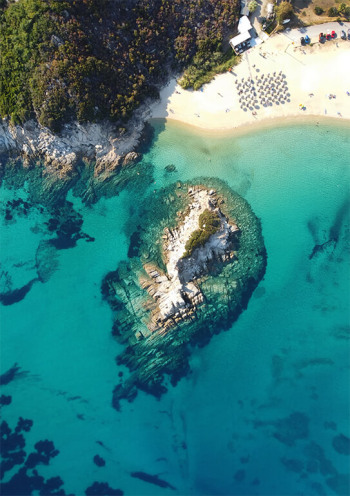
(169, 296)
(95, 153)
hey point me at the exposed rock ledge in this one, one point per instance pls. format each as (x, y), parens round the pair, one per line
(56, 161)
(163, 301)
(102, 144)
(98, 142)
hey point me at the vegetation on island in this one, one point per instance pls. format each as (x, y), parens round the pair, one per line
(209, 223)
(99, 59)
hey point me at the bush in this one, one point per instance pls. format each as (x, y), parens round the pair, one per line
(209, 223)
(333, 12)
(205, 65)
(284, 11)
(318, 10)
(346, 12)
(252, 6)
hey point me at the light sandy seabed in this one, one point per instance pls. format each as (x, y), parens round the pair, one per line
(321, 69)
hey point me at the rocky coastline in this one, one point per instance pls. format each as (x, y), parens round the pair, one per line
(93, 152)
(163, 301)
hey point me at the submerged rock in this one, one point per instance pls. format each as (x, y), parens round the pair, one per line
(187, 282)
(99, 461)
(152, 479)
(341, 444)
(102, 489)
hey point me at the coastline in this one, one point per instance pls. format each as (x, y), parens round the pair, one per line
(312, 73)
(257, 126)
(307, 75)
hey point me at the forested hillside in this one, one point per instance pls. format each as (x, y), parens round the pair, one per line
(96, 59)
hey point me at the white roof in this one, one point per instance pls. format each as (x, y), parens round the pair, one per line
(244, 10)
(270, 7)
(244, 24)
(237, 40)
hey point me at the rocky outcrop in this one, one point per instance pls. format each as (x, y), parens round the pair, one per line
(162, 301)
(102, 145)
(95, 159)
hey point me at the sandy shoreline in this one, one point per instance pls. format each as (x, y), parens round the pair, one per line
(311, 73)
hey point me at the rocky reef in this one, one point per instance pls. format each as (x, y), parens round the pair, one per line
(91, 157)
(166, 298)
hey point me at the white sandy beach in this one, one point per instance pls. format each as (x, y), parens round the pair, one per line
(320, 70)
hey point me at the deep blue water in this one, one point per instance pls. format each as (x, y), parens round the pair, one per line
(266, 402)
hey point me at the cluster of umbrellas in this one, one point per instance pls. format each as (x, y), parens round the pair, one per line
(265, 90)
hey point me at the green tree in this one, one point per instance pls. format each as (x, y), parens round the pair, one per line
(252, 6)
(347, 12)
(318, 10)
(284, 11)
(333, 12)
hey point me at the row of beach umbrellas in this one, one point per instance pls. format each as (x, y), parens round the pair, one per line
(265, 89)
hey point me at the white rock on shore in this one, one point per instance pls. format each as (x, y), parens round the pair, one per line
(95, 142)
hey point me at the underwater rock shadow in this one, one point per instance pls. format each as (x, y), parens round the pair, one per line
(11, 374)
(333, 232)
(152, 479)
(17, 295)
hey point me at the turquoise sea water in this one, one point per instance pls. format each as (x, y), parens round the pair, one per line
(259, 413)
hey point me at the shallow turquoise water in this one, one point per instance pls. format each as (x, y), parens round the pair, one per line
(223, 430)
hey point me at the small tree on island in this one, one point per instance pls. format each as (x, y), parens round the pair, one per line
(252, 6)
(284, 11)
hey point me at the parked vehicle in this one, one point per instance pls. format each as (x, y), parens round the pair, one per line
(328, 35)
(343, 35)
(320, 37)
(307, 39)
(302, 40)
(348, 34)
(334, 34)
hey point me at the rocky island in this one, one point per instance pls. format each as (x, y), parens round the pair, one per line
(194, 264)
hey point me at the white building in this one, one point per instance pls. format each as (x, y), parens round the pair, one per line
(242, 40)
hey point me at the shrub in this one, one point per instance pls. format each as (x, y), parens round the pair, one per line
(205, 65)
(333, 12)
(346, 12)
(284, 11)
(252, 6)
(318, 10)
(209, 223)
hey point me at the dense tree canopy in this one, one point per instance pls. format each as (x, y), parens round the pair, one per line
(95, 59)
